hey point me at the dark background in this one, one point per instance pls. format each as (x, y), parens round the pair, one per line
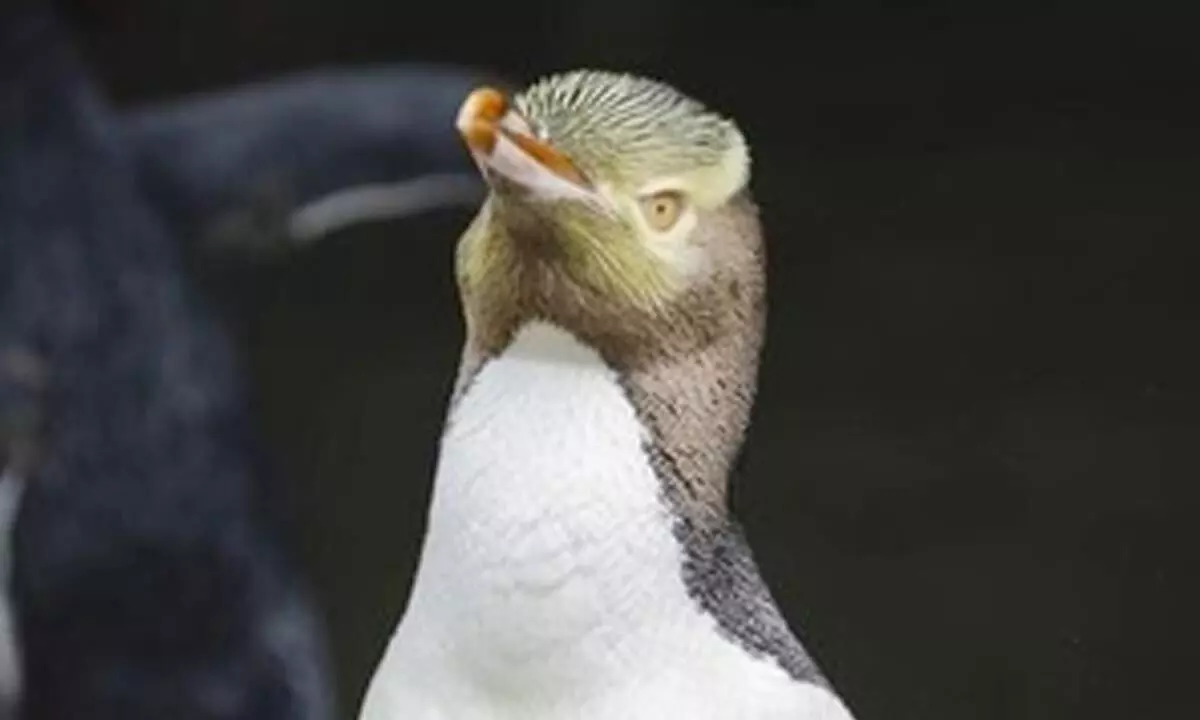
(970, 477)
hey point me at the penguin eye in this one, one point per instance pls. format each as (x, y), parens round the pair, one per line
(662, 210)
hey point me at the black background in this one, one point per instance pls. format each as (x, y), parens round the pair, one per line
(970, 477)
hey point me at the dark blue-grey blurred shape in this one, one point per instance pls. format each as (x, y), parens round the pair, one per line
(301, 156)
(146, 583)
(149, 580)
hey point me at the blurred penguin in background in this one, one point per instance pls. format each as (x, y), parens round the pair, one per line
(150, 574)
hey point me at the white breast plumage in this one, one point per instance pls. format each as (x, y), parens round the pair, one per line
(550, 582)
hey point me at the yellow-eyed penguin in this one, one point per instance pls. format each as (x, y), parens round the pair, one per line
(580, 561)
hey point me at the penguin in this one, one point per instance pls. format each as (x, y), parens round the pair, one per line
(580, 560)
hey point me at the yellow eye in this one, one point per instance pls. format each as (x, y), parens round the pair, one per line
(662, 209)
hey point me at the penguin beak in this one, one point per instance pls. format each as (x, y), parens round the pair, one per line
(503, 144)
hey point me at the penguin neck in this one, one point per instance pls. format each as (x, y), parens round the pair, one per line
(548, 530)
(694, 406)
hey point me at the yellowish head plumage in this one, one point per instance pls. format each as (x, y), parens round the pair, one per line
(619, 210)
(638, 136)
(651, 160)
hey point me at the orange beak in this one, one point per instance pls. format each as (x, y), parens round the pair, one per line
(500, 139)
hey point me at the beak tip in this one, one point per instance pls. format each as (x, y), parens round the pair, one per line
(483, 108)
(479, 118)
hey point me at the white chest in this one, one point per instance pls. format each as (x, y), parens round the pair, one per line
(550, 582)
